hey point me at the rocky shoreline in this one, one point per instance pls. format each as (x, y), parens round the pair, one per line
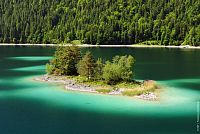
(72, 85)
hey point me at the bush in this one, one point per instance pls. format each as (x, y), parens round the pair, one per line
(120, 69)
(111, 73)
(49, 69)
(150, 85)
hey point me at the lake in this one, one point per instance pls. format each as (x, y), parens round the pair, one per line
(31, 107)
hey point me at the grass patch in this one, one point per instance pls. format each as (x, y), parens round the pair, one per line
(84, 80)
(145, 87)
(103, 90)
(130, 92)
(131, 84)
(137, 91)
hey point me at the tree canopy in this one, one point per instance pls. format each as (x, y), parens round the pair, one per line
(67, 61)
(64, 61)
(120, 69)
(165, 22)
(86, 66)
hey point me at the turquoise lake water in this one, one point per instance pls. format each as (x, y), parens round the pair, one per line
(30, 107)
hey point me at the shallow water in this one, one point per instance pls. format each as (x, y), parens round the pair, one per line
(30, 107)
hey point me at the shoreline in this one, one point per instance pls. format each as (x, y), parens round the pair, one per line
(72, 85)
(114, 46)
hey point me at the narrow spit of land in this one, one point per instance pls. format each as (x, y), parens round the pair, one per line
(87, 45)
(146, 90)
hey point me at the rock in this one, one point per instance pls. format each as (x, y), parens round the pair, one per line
(148, 96)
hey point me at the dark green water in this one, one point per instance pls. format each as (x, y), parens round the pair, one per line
(30, 107)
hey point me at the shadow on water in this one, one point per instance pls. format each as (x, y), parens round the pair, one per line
(8, 86)
(14, 51)
(44, 120)
(12, 64)
(9, 75)
(11, 69)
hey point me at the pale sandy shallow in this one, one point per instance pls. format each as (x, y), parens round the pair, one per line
(87, 45)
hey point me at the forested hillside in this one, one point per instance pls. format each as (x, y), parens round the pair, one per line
(167, 22)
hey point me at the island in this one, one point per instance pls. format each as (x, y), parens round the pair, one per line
(83, 73)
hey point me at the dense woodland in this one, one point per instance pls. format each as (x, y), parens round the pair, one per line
(165, 22)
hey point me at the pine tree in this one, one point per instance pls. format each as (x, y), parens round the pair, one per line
(64, 61)
(86, 66)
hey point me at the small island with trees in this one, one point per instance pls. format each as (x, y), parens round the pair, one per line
(85, 74)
